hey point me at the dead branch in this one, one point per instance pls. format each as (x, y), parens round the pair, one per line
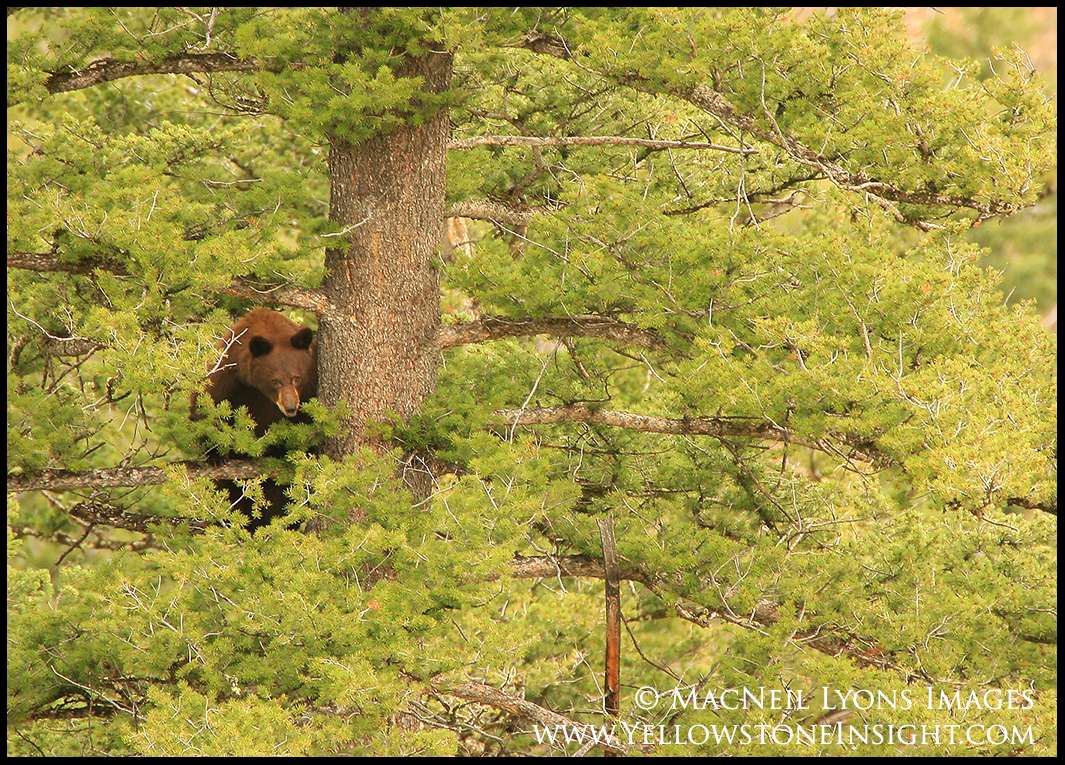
(612, 578)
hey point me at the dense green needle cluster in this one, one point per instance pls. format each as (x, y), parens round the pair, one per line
(712, 272)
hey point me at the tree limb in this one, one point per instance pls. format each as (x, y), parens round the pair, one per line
(111, 478)
(524, 140)
(486, 694)
(104, 514)
(709, 100)
(297, 297)
(486, 209)
(495, 327)
(277, 294)
(108, 69)
(713, 102)
(80, 712)
(1050, 507)
(102, 541)
(720, 427)
(833, 642)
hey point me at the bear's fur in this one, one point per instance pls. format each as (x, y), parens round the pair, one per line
(270, 366)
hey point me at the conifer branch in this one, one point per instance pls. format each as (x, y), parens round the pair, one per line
(725, 427)
(117, 477)
(720, 427)
(105, 514)
(833, 642)
(111, 478)
(109, 69)
(487, 209)
(542, 716)
(592, 140)
(253, 289)
(602, 327)
(881, 192)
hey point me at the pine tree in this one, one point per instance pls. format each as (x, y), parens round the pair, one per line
(706, 280)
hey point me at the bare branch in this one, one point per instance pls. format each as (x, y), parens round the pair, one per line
(612, 672)
(549, 44)
(565, 565)
(47, 261)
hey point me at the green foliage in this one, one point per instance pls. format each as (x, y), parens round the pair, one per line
(869, 516)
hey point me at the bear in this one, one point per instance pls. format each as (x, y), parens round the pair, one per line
(269, 366)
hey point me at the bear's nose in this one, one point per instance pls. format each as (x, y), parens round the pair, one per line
(291, 410)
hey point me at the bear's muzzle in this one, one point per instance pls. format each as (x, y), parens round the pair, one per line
(289, 403)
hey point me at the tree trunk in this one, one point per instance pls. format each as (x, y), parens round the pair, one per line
(379, 349)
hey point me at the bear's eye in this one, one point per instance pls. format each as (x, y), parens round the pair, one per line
(276, 383)
(296, 380)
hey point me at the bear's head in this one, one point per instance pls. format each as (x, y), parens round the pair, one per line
(281, 368)
(270, 366)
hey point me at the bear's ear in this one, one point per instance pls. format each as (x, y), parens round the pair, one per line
(260, 346)
(302, 339)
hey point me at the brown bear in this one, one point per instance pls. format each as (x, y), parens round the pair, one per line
(270, 366)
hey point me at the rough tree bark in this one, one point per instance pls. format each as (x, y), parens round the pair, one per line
(379, 347)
